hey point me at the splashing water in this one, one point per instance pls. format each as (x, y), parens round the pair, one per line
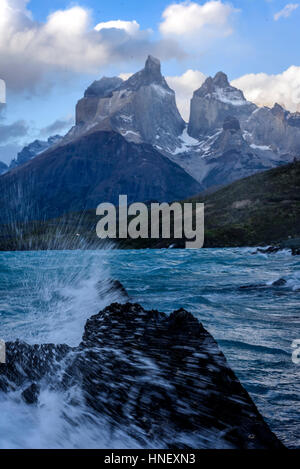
(48, 296)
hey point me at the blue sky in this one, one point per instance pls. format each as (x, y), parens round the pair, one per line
(47, 70)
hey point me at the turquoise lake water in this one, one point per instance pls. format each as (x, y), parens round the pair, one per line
(48, 296)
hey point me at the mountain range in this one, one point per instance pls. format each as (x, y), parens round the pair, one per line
(32, 150)
(130, 138)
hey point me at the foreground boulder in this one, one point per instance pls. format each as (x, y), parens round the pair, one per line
(161, 378)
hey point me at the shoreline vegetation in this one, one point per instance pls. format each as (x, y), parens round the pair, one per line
(260, 210)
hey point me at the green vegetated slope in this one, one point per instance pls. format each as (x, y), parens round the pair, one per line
(260, 209)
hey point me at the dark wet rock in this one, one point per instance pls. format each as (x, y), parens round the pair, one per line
(31, 394)
(269, 250)
(112, 286)
(30, 363)
(252, 286)
(296, 251)
(162, 378)
(116, 285)
(279, 283)
(262, 286)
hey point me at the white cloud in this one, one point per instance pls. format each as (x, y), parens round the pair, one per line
(286, 11)
(131, 27)
(189, 19)
(2, 92)
(67, 42)
(59, 126)
(125, 76)
(184, 87)
(10, 131)
(266, 90)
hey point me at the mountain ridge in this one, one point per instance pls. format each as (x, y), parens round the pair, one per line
(82, 174)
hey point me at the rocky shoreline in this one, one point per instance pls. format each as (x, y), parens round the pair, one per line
(160, 377)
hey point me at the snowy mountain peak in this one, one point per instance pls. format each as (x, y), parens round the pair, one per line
(219, 89)
(141, 109)
(213, 102)
(149, 75)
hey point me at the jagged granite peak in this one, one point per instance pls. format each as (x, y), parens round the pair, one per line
(213, 102)
(87, 107)
(142, 109)
(102, 88)
(279, 111)
(149, 75)
(33, 149)
(293, 120)
(225, 156)
(221, 80)
(275, 127)
(153, 64)
(220, 89)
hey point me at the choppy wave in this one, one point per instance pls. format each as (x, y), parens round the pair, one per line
(48, 296)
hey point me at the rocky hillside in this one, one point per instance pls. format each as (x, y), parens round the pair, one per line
(94, 169)
(261, 209)
(33, 149)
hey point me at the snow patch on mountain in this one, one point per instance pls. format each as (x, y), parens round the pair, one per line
(260, 147)
(230, 96)
(186, 143)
